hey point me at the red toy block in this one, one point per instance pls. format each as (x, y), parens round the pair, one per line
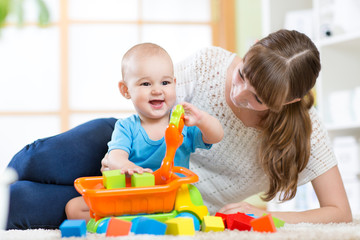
(239, 221)
(241, 226)
(263, 224)
(118, 227)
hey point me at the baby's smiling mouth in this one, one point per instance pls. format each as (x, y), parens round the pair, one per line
(157, 103)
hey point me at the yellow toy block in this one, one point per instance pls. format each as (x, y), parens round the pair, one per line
(212, 223)
(180, 226)
(184, 203)
(113, 179)
(142, 180)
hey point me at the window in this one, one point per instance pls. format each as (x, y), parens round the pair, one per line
(57, 77)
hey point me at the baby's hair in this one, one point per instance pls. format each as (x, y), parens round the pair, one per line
(141, 50)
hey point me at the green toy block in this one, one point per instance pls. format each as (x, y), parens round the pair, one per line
(278, 222)
(142, 180)
(114, 179)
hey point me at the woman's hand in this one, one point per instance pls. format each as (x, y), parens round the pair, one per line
(242, 207)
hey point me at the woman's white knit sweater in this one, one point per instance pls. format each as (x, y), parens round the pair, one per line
(229, 171)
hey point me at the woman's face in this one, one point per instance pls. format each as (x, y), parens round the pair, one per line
(242, 94)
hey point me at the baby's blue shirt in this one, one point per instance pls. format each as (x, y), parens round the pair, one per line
(131, 137)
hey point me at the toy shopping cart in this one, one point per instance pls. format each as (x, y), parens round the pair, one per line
(141, 200)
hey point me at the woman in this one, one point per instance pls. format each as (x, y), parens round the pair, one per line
(273, 138)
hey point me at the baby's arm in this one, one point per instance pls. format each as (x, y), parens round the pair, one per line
(209, 126)
(119, 159)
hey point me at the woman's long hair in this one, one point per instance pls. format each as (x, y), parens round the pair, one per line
(282, 67)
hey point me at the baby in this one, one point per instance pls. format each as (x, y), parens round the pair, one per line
(137, 144)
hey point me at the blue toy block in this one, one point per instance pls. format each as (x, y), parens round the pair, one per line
(135, 222)
(193, 217)
(144, 225)
(103, 225)
(73, 228)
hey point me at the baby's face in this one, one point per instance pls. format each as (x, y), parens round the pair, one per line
(151, 85)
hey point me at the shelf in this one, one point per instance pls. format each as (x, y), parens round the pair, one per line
(342, 127)
(344, 130)
(339, 39)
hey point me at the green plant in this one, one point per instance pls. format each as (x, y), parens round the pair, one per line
(16, 7)
(4, 10)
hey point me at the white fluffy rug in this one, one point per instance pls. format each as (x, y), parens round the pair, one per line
(289, 231)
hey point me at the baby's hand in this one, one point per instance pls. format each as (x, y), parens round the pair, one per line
(193, 115)
(104, 163)
(131, 168)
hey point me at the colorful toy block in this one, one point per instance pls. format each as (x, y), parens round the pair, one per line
(118, 227)
(212, 223)
(142, 180)
(134, 223)
(240, 225)
(114, 179)
(193, 217)
(144, 225)
(223, 216)
(278, 222)
(73, 228)
(103, 225)
(240, 221)
(180, 226)
(263, 224)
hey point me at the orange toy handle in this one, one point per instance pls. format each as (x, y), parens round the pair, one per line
(173, 139)
(191, 176)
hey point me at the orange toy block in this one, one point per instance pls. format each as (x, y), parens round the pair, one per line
(212, 223)
(278, 222)
(263, 224)
(118, 227)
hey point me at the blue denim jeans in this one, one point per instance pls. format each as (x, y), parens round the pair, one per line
(47, 169)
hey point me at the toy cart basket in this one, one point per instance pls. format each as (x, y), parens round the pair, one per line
(140, 200)
(132, 200)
